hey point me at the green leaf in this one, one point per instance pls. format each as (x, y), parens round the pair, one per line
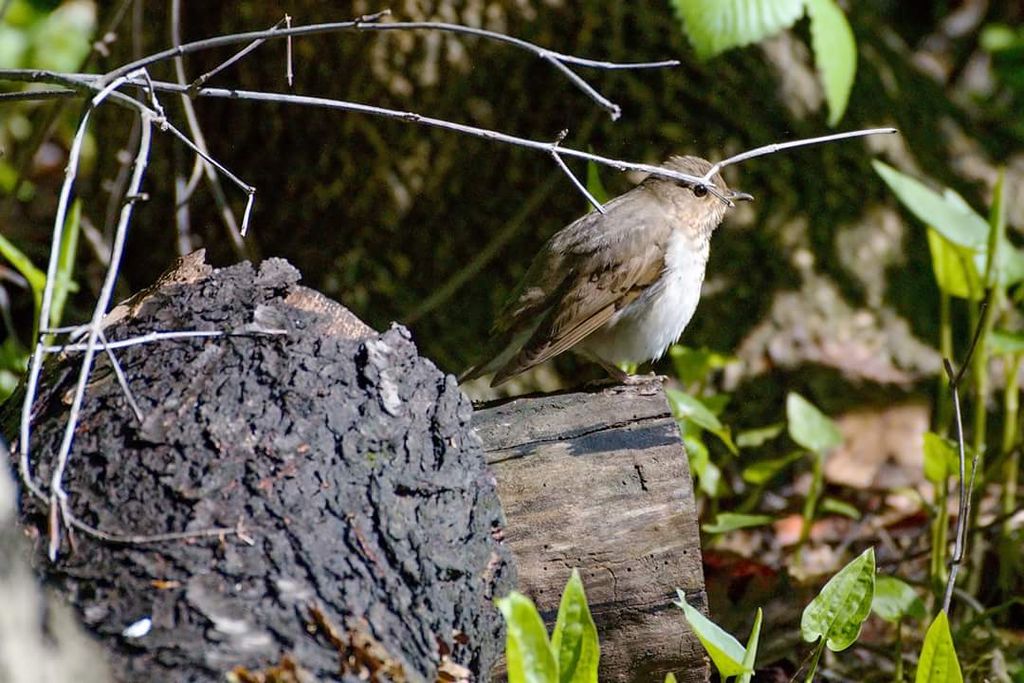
(715, 26)
(687, 407)
(750, 655)
(730, 521)
(953, 217)
(528, 653)
(835, 53)
(1004, 341)
(574, 639)
(941, 458)
(63, 284)
(839, 507)
(762, 471)
(954, 268)
(752, 438)
(594, 184)
(724, 650)
(709, 476)
(838, 611)
(938, 662)
(694, 365)
(809, 427)
(35, 277)
(895, 599)
(670, 678)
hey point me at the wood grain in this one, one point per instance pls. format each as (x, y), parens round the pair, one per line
(599, 481)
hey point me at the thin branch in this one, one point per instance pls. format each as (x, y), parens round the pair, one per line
(154, 337)
(780, 146)
(58, 497)
(412, 117)
(966, 488)
(121, 379)
(202, 165)
(49, 94)
(556, 59)
(201, 81)
(572, 176)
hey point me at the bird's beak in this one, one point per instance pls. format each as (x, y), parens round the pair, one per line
(740, 196)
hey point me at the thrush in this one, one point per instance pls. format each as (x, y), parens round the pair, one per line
(615, 287)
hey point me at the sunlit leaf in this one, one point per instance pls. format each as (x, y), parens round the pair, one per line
(838, 611)
(574, 639)
(835, 54)
(938, 662)
(691, 408)
(709, 476)
(725, 651)
(63, 284)
(950, 214)
(730, 521)
(954, 268)
(670, 678)
(750, 654)
(762, 471)
(838, 507)
(752, 438)
(1004, 341)
(528, 653)
(694, 365)
(715, 26)
(941, 458)
(895, 599)
(809, 427)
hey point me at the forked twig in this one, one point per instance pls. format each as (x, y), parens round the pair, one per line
(966, 488)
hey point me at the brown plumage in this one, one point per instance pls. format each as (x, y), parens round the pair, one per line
(606, 284)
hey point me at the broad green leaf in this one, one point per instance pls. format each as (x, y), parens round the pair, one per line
(838, 507)
(954, 268)
(809, 427)
(528, 653)
(63, 284)
(895, 599)
(670, 678)
(761, 472)
(941, 459)
(835, 53)
(1004, 341)
(730, 521)
(715, 26)
(724, 650)
(837, 612)
(953, 217)
(750, 654)
(594, 184)
(938, 662)
(948, 213)
(574, 639)
(752, 438)
(690, 408)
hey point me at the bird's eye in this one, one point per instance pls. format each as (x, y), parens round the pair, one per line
(699, 191)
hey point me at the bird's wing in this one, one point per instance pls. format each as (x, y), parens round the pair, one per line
(581, 277)
(587, 300)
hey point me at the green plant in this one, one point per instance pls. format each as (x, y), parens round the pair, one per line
(729, 657)
(572, 653)
(715, 26)
(811, 429)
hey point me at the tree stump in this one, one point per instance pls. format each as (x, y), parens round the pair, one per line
(368, 529)
(599, 482)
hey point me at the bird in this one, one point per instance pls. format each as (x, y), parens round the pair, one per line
(615, 287)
